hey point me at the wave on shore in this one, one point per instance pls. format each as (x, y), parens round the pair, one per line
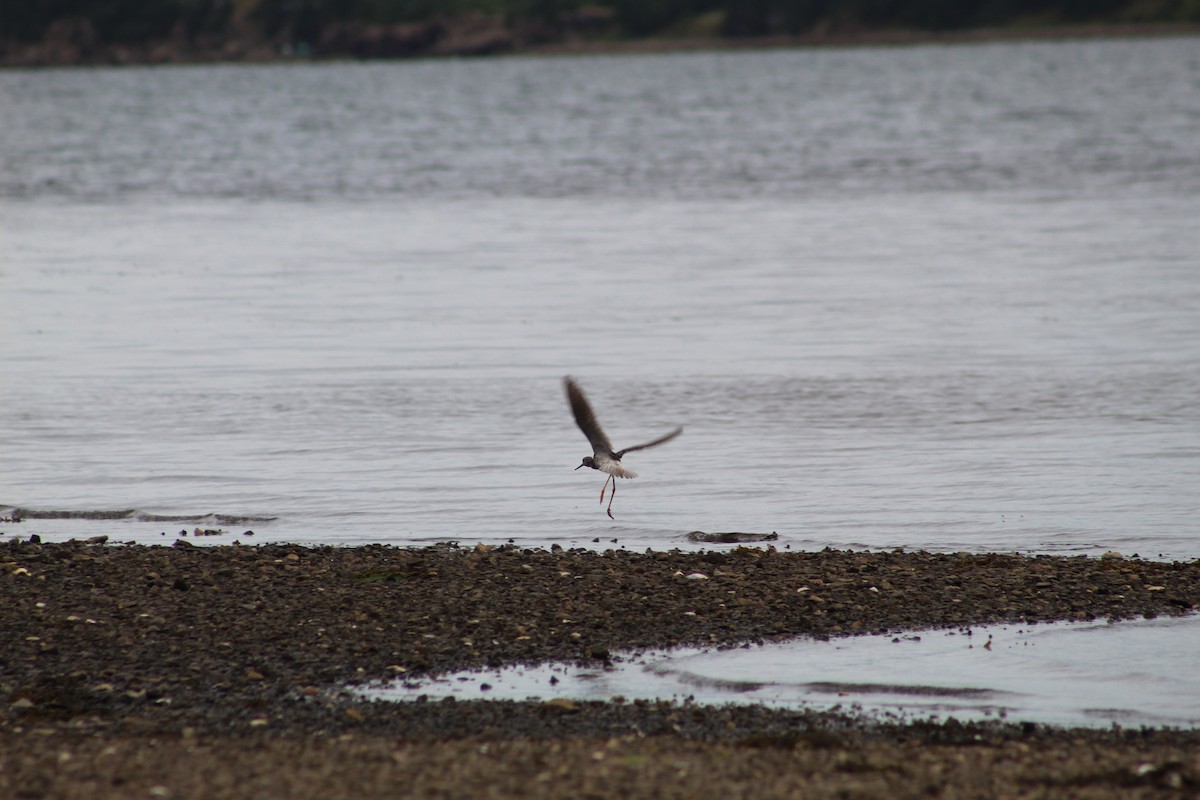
(17, 513)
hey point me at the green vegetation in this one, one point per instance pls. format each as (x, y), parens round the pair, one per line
(140, 21)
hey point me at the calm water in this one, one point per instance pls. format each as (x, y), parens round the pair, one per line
(1078, 674)
(930, 297)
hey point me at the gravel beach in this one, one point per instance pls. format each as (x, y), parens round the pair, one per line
(207, 672)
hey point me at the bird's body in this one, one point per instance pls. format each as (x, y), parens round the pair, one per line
(603, 457)
(610, 465)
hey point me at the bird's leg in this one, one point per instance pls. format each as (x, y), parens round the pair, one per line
(604, 488)
(612, 497)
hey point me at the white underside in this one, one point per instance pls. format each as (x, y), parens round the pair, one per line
(615, 468)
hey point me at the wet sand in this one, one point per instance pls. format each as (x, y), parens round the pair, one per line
(213, 671)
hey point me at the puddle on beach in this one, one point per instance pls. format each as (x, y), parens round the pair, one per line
(1094, 674)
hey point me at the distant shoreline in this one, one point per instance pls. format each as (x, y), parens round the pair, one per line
(876, 38)
(497, 42)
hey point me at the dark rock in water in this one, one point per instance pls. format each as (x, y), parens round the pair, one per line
(732, 537)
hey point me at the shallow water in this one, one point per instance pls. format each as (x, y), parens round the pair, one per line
(1075, 674)
(866, 373)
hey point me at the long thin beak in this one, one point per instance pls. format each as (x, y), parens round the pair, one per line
(578, 467)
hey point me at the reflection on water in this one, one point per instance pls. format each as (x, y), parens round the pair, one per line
(1077, 674)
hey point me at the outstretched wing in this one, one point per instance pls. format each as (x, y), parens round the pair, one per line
(655, 443)
(585, 418)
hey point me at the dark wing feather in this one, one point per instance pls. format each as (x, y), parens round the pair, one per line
(655, 443)
(585, 418)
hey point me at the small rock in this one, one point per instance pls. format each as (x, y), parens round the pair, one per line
(732, 537)
(562, 705)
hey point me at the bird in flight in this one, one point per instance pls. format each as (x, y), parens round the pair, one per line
(603, 457)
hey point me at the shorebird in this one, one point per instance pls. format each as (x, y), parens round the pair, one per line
(603, 457)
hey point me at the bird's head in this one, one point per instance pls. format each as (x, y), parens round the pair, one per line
(587, 462)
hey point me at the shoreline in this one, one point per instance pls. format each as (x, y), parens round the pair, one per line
(498, 42)
(872, 38)
(197, 671)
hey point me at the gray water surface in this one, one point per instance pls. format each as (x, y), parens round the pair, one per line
(927, 297)
(1076, 674)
